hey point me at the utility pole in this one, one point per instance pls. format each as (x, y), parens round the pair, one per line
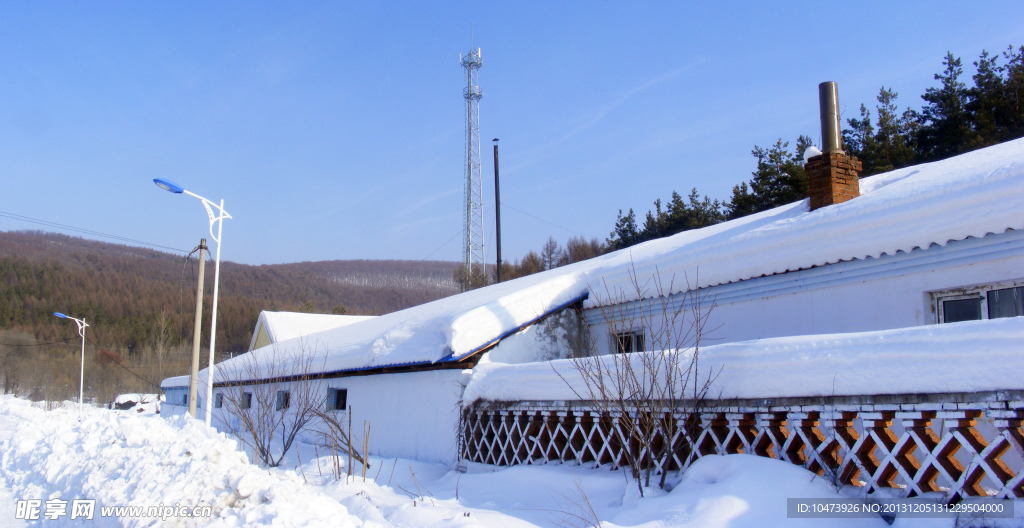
(497, 209)
(193, 382)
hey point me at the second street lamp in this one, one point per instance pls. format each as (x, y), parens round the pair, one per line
(81, 375)
(168, 185)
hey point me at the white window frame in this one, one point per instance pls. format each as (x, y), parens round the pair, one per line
(979, 291)
(283, 400)
(636, 332)
(246, 400)
(332, 397)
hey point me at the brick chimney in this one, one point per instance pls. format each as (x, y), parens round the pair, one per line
(832, 175)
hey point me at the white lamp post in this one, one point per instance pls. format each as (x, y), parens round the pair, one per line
(81, 375)
(168, 185)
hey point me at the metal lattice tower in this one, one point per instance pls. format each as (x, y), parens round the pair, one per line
(473, 208)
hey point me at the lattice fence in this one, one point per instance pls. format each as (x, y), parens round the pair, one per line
(948, 449)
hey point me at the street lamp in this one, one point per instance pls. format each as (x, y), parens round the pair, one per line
(168, 185)
(81, 375)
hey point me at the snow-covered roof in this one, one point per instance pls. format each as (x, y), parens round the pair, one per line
(282, 326)
(966, 196)
(972, 356)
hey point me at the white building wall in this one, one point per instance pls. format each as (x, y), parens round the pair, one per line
(411, 415)
(855, 296)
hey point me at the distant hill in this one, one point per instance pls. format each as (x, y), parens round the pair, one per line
(136, 297)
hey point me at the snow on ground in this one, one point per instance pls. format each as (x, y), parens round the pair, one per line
(975, 356)
(140, 403)
(7, 500)
(131, 459)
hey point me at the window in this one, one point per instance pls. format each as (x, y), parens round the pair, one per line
(218, 400)
(184, 399)
(1005, 302)
(626, 342)
(246, 400)
(283, 399)
(980, 302)
(337, 399)
(955, 310)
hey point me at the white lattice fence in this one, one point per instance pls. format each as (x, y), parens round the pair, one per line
(948, 449)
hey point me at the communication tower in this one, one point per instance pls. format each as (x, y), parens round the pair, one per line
(473, 208)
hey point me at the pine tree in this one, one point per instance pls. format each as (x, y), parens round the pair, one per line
(625, 232)
(859, 139)
(894, 140)
(986, 102)
(1013, 93)
(778, 180)
(946, 127)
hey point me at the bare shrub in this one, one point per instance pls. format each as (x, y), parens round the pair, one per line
(273, 396)
(575, 508)
(333, 433)
(652, 372)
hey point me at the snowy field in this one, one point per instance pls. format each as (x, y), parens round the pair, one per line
(128, 459)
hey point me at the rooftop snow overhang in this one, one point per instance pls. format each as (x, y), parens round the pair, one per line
(451, 361)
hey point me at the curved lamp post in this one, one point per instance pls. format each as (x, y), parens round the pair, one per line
(168, 185)
(81, 375)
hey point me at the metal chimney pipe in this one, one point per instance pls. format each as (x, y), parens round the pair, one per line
(831, 131)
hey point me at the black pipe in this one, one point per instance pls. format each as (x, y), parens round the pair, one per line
(497, 208)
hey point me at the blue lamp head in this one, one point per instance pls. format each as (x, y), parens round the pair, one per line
(168, 185)
(58, 314)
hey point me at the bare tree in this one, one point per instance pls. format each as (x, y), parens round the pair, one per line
(273, 396)
(652, 371)
(551, 254)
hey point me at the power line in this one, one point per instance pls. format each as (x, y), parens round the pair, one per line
(118, 363)
(86, 231)
(94, 345)
(38, 344)
(503, 204)
(457, 233)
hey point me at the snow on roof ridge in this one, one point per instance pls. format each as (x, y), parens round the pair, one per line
(281, 326)
(969, 195)
(931, 203)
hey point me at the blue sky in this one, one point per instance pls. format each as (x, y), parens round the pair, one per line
(335, 130)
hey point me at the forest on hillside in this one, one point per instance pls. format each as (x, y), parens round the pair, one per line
(140, 305)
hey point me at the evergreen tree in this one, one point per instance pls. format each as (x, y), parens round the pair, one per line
(778, 180)
(859, 139)
(986, 102)
(1012, 119)
(946, 128)
(887, 147)
(625, 233)
(894, 140)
